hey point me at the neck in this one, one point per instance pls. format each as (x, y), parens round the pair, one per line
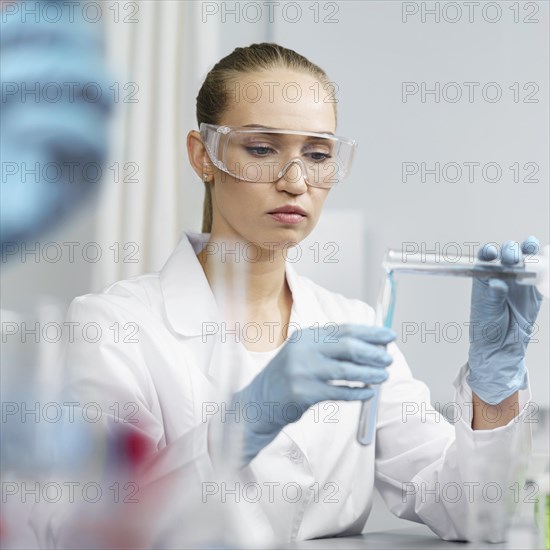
(257, 274)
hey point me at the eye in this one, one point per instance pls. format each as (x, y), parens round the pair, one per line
(319, 156)
(259, 150)
(318, 151)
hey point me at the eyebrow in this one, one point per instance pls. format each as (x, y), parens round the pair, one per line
(272, 128)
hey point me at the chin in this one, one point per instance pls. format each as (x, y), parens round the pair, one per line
(283, 236)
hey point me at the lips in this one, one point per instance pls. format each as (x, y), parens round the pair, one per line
(288, 215)
(289, 210)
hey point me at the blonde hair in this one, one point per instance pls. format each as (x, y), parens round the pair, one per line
(213, 97)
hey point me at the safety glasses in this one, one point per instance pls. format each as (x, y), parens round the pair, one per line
(264, 155)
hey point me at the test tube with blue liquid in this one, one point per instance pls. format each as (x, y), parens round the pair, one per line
(533, 271)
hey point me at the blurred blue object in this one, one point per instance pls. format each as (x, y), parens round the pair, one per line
(55, 107)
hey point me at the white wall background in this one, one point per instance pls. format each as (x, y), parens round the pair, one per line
(369, 52)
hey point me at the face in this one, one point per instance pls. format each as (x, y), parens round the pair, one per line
(241, 209)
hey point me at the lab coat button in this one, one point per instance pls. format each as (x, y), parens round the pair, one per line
(295, 456)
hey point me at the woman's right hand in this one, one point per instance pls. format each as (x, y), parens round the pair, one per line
(300, 374)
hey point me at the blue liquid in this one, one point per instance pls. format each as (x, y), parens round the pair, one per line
(367, 419)
(388, 315)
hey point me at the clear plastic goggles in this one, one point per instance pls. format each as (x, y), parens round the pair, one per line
(265, 155)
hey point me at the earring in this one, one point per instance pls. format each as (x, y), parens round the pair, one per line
(205, 177)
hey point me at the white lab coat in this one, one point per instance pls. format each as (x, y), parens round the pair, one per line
(172, 372)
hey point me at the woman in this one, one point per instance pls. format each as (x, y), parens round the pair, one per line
(294, 390)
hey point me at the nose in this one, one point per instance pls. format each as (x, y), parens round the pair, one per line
(293, 177)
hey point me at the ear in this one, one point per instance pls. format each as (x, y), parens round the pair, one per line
(198, 157)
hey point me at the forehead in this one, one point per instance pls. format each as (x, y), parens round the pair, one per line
(279, 98)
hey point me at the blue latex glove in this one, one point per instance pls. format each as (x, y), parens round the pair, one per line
(502, 316)
(297, 378)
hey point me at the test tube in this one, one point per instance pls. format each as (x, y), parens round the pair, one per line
(383, 317)
(533, 271)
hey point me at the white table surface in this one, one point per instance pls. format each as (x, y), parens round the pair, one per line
(418, 537)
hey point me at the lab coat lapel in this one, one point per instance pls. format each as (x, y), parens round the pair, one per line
(306, 310)
(188, 299)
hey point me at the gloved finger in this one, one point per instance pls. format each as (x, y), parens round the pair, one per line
(345, 393)
(341, 370)
(366, 333)
(510, 253)
(497, 291)
(530, 245)
(356, 351)
(488, 252)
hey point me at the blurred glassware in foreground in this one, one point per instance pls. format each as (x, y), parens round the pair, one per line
(53, 142)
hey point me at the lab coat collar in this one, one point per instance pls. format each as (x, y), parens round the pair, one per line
(188, 299)
(190, 303)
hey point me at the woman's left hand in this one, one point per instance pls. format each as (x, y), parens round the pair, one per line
(502, 317)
